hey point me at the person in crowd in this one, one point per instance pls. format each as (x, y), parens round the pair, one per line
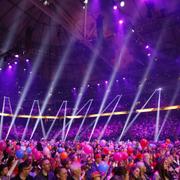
(142, 168)
(134, 173)
(94, 167)
(147, 163)
(4, 172)
(61, 173)
(24, 169)
(66, 164)
(162, 171)
(119, 173)
(45, 173)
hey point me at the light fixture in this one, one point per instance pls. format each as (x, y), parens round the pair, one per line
(122, 3)
(121, 21)
(115, 7)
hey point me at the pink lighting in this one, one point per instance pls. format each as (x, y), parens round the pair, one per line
(148, 54)
(98, 84)
(10, 67)
(27, 60)
(147, 47)
(122, 3)
(121, 21)
(16, 56)
(15, 62)
(106, 82)
(115, 7)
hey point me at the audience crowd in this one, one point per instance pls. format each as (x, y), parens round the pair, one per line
(96, 160)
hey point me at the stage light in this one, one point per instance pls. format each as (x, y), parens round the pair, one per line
(46, 3)
(15, 62)
(117, 80)
(88, 85)
(86, 2)
(124, 78)
(147, 47)
(98, 84)
(122, 3)
(16, 56)
(74, 88)
(133, 30)
(10, 67)
(115, 7)
(106, 82)
(0, 69)
(159, 89)
(121, 21)
(27, 60)
(148, 54)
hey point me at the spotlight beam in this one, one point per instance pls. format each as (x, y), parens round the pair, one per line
(169, 112)
(92, 115)
(64, 103)
(36, 65)
(70, 122)
(104, 128)
(115, 70)
(28, 120)
(100, 111)
(2, 116)
(136, 99)
(148, 69)
(139, 112)
(11, 111)
(112, 78)
(37, 122)
(85, 19)
(56, 77)
(42, 125)
(9, 39)
(157, 117)
(82, 123)
(55, 137)
(64, 122)
(84, 84)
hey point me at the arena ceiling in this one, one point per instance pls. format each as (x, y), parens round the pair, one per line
(28, 19)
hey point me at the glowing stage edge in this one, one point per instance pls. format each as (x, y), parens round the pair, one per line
(176, 107)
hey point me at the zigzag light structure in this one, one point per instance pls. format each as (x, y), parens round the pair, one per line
(109, 118)
(84, 118)
(64, 103)
(28, 120)
(139, 112)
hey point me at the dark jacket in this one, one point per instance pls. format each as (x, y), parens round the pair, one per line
(18, 178)
(50, 176)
